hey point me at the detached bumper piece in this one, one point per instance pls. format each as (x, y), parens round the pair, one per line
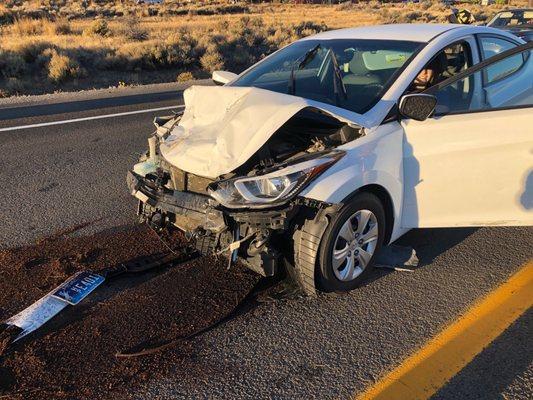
(74, 290)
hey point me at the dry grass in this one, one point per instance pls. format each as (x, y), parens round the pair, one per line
(35, 27)
(184, 77)
(65, 45)
(62, 67)
(97, 28)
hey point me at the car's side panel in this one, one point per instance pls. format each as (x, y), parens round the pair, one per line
(373, 159)
(473, 169)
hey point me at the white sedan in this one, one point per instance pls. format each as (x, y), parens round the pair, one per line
(317, 156)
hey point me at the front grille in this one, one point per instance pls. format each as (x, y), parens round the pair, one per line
(187, 182)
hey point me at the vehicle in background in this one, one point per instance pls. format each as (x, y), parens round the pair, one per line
(149, 2)
(518, 21)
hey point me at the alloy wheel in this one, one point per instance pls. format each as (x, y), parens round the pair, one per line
(355, 245)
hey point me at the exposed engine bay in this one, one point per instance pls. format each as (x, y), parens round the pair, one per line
(307, 132)
(252, 211)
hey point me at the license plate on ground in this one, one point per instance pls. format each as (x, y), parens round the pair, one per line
(78, 287)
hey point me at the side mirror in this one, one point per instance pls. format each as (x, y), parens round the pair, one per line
(223, 77)
(417, 106)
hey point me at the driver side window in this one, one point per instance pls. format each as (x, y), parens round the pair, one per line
(447, 63)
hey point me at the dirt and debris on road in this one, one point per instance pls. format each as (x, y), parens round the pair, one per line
(75, 355)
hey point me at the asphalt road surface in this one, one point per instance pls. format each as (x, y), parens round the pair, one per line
(57, 176)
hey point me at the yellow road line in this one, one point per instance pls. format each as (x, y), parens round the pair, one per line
(427, 370)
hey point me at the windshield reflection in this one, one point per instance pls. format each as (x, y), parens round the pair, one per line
(348, 73)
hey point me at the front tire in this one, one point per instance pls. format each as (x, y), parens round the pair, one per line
(350, 243)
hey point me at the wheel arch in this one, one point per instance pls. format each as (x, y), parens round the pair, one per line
(308, 235)
(386, 201)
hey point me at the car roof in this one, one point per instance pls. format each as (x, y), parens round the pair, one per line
(409, 32)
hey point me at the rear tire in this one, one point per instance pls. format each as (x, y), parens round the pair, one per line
(350, 243)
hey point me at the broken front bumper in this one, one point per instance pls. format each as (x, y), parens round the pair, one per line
(249, 234)
(188, 211)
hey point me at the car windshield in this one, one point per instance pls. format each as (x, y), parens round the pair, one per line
(512, 18)
(352, 74)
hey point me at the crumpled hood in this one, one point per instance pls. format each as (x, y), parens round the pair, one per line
(223, 126)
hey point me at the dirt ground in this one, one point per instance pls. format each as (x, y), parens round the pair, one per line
(77, 354)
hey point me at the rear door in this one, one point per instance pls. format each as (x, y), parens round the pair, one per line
(471, 164)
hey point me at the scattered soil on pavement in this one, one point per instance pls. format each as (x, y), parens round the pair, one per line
(75, 355)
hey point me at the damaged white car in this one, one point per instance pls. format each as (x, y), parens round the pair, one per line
(323, 152)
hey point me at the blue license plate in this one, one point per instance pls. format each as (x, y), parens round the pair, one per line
(78, 287)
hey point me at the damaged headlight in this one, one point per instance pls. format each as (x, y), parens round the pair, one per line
(272, 188)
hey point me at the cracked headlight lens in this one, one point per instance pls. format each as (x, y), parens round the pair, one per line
(273, 188)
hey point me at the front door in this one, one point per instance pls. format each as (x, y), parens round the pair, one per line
(471, 164)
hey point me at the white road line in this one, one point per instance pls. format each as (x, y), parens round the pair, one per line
(70, 121)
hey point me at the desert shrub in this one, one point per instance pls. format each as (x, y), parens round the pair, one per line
(425, 4)
(31, 51)
(220, 9)
(307, 28)
(148, 12)
(214, 9)
(390, 16)
(61, 27)
(99, 27)
(374, 4)
(131, 30)
(438, 8)
(245, 42)
(234, 9)
(345, 6)
(411, 16)
(7, 16)
(12, 65)
(212, 60)
(439, 17)
(184, 77)
(248, 40)
(180, 49)
(62, 67)
(135, 32)
(282, 37)
(37, 13)
(27, 27)
(143, 55)
(14, 86)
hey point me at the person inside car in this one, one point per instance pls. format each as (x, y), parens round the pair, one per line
(430, 74)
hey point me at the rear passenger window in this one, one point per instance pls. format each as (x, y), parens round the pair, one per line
(504, 68)
(467, 95)
(491, 46)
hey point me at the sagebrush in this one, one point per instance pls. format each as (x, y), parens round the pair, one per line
(59, 44)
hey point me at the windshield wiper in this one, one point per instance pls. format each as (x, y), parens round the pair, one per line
(307, 58)
(337, 79)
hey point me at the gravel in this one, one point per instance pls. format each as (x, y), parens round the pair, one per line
(75, 356)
